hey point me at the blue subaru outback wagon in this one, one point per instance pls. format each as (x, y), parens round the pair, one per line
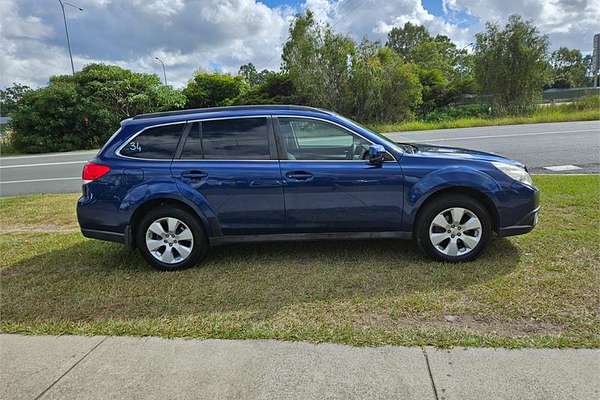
(174, 184)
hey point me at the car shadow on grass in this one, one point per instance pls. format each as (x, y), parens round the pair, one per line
(91, 280)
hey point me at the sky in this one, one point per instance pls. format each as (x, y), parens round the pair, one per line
(221, 35)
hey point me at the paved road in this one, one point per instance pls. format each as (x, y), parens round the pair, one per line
(76, 367)
(43, 173)
(537, 145)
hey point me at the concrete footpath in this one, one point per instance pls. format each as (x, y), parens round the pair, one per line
(75, 367)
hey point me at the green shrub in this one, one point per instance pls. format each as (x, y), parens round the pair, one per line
(451, 113)
(212, 89)
(587, 103)
(276, 88)
(82, 111)
(383, 87)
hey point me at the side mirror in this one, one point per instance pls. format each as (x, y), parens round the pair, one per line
(376, 154)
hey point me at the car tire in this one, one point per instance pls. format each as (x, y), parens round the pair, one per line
(176, 240)
(442, 237)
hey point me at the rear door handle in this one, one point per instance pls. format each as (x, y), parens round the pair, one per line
(299, 175)
(194, 174)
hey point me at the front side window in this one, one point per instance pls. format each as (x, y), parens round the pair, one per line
(154, 143)
(229, 139)
(308, 139)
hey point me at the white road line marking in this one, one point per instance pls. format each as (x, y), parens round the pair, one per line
(42, 164)
(42, 180)
(567, 167)
(66, 154)
(495, 136)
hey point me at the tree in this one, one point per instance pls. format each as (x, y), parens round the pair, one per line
(317, 61)
(10, 96)
(404, 39)
(81, 111)
(444, 70)
(252, 77)
(435, 90)
(249, 73)
(212, 89)
(510, 64)
(275, 88)
(384, 88)
(569, 68)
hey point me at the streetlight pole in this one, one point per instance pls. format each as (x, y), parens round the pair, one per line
(164, 70)
(62, 7)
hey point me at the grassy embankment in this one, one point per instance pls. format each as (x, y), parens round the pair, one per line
(542, 117)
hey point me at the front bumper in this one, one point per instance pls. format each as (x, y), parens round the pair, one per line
(525, 225)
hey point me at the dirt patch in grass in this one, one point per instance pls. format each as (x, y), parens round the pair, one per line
(41, 228)
(504, 328)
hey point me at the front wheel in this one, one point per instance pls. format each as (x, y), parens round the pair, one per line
(171, 239)
(454, 228)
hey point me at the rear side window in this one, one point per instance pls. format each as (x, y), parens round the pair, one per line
(155, 143)
(229, 139)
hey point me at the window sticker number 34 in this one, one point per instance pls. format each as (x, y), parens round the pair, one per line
(134, 147)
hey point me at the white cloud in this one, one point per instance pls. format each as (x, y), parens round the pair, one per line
(375, 18)
(570, 23)
(206, 34)
(164, 8)
(223, 34)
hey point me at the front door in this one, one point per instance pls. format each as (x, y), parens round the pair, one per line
(330, 186)
(232, 164)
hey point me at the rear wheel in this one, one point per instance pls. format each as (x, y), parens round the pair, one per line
(454, 228)
(171, 239)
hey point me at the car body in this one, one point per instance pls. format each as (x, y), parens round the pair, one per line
(254, 173)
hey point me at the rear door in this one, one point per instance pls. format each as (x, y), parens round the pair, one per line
(232, 163)
(330, 186)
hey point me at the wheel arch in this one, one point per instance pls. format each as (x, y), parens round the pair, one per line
(471, 192)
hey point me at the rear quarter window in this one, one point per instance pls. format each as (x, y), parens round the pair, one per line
(159, 142)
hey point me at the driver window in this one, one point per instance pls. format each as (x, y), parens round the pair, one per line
(308, 139)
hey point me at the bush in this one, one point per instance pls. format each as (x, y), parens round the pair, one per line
(587, 103)
(276, 88)
(384, 88)
(81, 111)
(511, 65)
(208, 89)
(457, 112)
(10, 96)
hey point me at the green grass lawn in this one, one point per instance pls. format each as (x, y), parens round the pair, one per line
(539, 290)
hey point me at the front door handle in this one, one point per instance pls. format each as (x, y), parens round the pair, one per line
(299, 176)
(194, 174)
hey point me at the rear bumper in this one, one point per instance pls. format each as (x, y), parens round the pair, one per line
(125, 238)
(103, 235)
(525, 225)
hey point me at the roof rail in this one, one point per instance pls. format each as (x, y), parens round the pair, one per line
(229, 108)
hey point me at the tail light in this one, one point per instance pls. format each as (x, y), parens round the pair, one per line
(93, 171)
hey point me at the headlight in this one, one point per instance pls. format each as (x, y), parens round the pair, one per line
(517, 173)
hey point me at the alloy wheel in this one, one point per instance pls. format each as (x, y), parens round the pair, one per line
(455, 231)
(169, 240)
